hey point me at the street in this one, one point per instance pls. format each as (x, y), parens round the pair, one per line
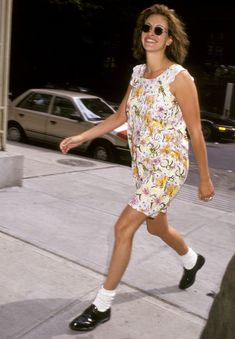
(222, 165)
(221, 155)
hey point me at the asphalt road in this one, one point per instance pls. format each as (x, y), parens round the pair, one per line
(221, 157)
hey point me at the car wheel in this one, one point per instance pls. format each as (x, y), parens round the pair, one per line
(15, 133)
(103, 151)
(207, 131)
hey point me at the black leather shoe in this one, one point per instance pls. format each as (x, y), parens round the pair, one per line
(89, 319)
(189, 276)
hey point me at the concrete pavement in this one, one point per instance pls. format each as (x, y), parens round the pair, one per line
(56, 237)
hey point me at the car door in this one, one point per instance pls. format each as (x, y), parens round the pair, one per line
(32, 113)
(65, 120)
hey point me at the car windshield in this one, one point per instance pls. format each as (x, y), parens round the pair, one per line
(95, 109)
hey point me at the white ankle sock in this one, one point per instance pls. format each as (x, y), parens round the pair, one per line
(189, 259)
(104, 298)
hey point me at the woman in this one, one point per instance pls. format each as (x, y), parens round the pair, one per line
(160, 102)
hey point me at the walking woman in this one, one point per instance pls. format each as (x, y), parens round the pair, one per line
(160, 102)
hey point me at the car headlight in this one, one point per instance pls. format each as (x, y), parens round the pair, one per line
(225, 128)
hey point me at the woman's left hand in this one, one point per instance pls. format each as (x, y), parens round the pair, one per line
(206, 190)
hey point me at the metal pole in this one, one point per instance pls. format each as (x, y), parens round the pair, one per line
(5, 35)
(228, 99)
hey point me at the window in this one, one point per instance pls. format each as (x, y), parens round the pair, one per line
(36, 102)
(63, 107)
(96, 109)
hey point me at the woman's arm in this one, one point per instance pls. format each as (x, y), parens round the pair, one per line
(185, 92)
(113, 121)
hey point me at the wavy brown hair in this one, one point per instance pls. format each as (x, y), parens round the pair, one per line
(178, 49)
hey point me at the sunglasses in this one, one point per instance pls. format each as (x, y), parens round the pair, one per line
(158, 30)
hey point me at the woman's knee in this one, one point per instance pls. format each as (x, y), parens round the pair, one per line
(128, 223)
(157, 229)
(123, 231)
(157, 226)
(154, 230)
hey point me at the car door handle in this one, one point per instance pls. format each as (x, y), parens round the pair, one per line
(53, 122)
(21, 115)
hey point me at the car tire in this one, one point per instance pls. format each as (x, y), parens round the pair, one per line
(15, 132)
(207, 131)
(103, 151)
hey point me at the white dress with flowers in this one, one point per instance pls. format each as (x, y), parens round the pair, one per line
(157, 139)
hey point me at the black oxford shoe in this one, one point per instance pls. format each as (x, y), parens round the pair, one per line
(89, 319)
(189, 276)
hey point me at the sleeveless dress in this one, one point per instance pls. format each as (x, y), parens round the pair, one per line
(157, 139)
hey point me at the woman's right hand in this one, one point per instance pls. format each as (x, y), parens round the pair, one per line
(70, 142)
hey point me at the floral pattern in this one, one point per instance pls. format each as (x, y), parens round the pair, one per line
(157, 139)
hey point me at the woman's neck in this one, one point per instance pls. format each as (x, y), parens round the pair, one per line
(156, 66)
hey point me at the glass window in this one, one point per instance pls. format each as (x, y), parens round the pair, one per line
(36, 102)
(63, 107)
(96, 109)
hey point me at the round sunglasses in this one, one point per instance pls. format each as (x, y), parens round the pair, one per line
(158, 30)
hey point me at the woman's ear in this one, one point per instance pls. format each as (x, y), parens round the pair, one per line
(169, 42)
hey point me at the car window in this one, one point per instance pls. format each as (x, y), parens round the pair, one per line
(95, 109)
(36, 102)
(63, 107)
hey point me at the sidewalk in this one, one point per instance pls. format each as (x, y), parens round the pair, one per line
(56, 237)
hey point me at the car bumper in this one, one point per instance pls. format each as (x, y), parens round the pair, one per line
(226, 135)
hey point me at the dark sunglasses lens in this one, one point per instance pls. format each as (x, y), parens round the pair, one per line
(145, 28)
(158, 30)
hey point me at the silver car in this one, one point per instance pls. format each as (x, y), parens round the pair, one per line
(50, 115)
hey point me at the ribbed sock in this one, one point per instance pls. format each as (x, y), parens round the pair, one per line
(104, 299)
(189, 259)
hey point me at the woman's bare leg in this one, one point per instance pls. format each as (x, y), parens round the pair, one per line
(159, 226)
(125, 228)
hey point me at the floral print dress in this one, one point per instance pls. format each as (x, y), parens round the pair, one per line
(157, 139)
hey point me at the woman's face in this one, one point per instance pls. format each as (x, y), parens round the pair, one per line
(154, 35)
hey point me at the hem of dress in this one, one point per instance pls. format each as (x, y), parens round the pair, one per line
(148, 215)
